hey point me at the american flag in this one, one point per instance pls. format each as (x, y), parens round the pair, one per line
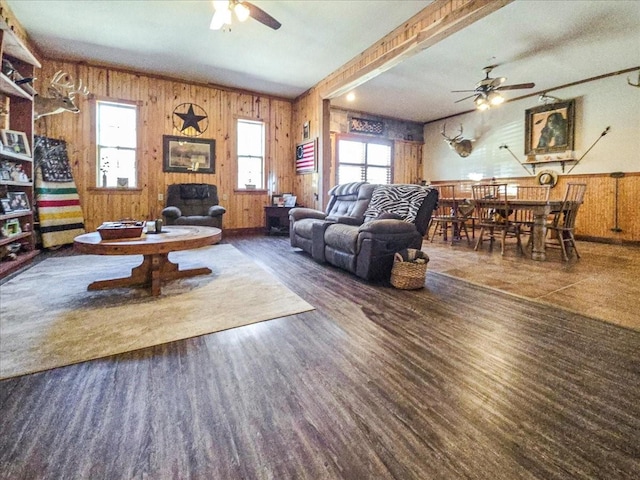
(306, 157)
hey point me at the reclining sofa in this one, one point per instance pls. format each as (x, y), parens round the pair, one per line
(364, 225)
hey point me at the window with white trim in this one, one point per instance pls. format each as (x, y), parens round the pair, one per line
(250, 148)
(116, 144)
(363, 160)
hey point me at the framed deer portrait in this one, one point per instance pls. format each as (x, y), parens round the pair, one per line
(549, 128)
(15, 142)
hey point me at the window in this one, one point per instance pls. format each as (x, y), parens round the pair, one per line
(364, 160)
(116, 144)
(250, 154)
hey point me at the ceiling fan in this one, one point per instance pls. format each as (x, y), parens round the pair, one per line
(487, 90)
(243, 10)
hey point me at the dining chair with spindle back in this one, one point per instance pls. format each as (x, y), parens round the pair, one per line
(448, 215)
(563, 223)
(524, 218)
(493, 214)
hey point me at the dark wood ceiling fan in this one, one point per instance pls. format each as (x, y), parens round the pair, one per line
(243, 10)
(486, 91)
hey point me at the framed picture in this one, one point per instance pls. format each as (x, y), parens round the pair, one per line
(16, 142)
(18, 201)
(277, 201)
(305, 130)
(549, 128)
(5, 174)
(6, 205)
(12, 227)
(289, 200)
(306, 157)
(186, 154)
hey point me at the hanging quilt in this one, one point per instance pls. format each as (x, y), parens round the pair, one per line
(57, 199)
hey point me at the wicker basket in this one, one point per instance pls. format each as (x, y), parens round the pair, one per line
(407, 274)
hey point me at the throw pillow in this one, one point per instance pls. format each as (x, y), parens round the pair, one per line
(403, 200)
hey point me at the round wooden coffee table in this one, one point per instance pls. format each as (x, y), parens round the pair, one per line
(156, 266)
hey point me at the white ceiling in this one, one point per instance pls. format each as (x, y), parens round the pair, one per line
(549, 43)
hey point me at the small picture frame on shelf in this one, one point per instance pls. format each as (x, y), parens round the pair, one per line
(277, 201)
(6, 205)
(5, 174)
(290, 200)
(11, 227)
(15, 142)
(18, 201)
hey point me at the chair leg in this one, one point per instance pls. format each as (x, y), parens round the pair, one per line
(563, 246)
(479, 241)
(573, 243)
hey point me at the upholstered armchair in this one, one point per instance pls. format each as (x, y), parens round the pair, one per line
(193, 204)
(347, 202)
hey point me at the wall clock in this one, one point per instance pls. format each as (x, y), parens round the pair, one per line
(190, 119)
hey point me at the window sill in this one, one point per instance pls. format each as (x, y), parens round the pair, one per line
(108, 190)
(253, 191)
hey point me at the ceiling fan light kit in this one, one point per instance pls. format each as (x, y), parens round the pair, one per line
(487, 91)
(222, 16)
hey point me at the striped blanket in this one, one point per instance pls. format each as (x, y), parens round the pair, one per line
(59, 211)
(57, 200)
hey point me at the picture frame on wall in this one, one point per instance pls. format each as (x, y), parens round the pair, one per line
(549, 128)
(306, 157)
(188, 155)
(15, 142)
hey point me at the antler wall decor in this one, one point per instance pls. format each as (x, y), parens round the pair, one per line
(62, 91)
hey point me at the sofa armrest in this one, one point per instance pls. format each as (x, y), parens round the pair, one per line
(347, 220)
(216, 211)
(172, 212)
(387, 227)
(302, 212)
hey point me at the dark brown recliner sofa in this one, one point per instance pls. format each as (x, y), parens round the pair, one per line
(396, 217)
(193, 204)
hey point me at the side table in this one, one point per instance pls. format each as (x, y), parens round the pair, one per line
(276, 220)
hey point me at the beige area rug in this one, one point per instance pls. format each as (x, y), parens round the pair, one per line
(48, 318)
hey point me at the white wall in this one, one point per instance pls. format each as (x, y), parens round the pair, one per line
(599, 103)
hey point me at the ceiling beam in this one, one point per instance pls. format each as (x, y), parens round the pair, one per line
(437, 21)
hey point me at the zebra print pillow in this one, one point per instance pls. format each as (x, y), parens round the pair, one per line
(402, 200)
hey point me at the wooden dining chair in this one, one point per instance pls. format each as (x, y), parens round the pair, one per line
(524, 218)
(447, 215)
(561, 228)
(493, 215)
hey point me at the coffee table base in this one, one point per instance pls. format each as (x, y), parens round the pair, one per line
(154, 269)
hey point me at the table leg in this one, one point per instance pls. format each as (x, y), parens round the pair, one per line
(153, 270)
(539, 235)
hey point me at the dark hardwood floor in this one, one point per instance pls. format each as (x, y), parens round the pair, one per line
(454, 381)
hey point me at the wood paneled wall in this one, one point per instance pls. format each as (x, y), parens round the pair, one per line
(596, 218)
(158, 98)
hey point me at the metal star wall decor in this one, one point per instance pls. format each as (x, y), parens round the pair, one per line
(190, 119)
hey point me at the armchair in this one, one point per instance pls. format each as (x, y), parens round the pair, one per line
(193, 204)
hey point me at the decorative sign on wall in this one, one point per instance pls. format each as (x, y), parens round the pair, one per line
(190, 119)
(306, 157)
(362, 125)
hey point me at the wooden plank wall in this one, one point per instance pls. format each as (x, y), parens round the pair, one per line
(596, 217)
(308, 108)
(158, 98)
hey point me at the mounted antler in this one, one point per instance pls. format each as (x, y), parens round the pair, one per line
(462, 146)
(62, 91)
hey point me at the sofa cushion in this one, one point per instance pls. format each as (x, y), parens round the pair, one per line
(342, 237)
(399, 199)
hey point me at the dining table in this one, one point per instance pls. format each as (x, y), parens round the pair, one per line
(540, 210)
